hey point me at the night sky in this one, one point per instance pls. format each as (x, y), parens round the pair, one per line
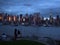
(28, 6)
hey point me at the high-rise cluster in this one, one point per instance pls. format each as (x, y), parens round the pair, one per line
(30, 19)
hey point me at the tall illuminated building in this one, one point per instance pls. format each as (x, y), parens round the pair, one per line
(57, 20)
(14, 18)
(51, 20)
(26, 18)
(1, 17)
(21, 18)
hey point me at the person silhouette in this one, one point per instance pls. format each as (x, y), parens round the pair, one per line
(15, 33)
(18, 33)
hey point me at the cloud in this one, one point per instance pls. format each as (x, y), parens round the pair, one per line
(27, 6)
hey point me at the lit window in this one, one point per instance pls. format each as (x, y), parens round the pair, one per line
(23, 19)
(0, 17)
(9, 18)
(44, 18)
(14, 18)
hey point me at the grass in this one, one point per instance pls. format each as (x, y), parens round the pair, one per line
(20, 42)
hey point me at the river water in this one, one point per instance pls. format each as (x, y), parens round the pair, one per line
(53, 32)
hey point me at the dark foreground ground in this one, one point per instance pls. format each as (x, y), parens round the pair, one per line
(20, 42)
